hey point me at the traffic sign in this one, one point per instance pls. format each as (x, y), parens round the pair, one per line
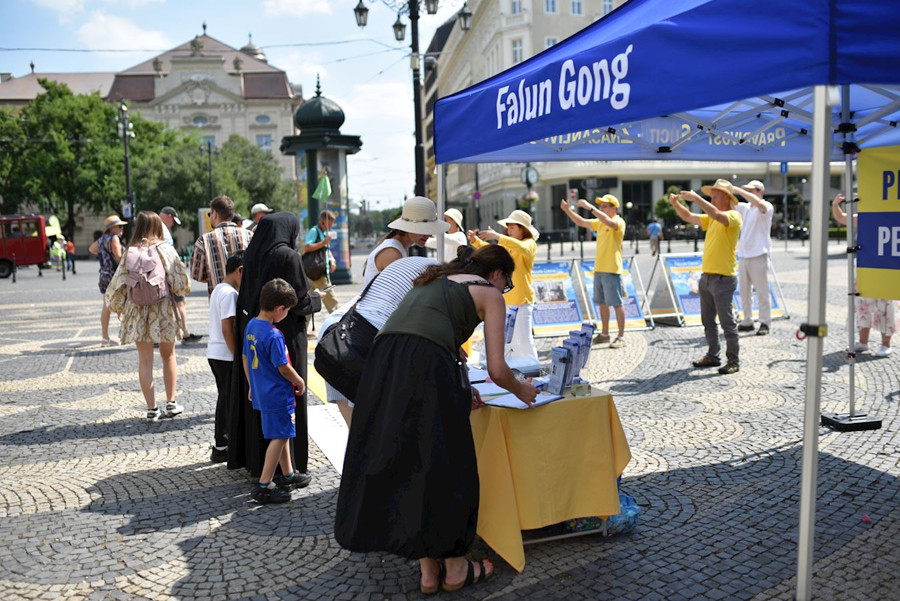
(476, 195)
(784, 167)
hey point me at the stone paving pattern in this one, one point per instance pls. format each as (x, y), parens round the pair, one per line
(97, 504)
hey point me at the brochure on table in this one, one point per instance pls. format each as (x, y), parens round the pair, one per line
(634, 314)
(557, 308)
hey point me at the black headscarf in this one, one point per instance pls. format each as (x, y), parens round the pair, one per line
(271, 255)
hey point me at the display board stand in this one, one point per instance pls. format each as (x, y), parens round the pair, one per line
(636, 295)
(674, 283)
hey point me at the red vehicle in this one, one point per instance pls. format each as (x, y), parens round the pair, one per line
(23, 238)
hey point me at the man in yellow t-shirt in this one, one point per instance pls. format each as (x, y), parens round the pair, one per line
(608, 289)
(722, 224)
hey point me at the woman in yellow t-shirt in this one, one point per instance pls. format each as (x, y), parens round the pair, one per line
(521, 242)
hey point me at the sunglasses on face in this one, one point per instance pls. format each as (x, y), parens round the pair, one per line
(509, 284)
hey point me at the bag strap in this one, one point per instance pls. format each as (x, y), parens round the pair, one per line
(445, 283)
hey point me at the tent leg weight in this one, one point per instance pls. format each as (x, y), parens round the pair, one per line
(844, 422)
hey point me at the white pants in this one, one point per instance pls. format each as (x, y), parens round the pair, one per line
(755, 271)
(522, 344)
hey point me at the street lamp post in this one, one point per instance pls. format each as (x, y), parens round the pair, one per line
(126, 130)
(361, 12)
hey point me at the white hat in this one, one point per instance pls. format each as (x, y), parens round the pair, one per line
(456, 216)
(259, 208)
(754, 184)
(420, 217)
(520, 218)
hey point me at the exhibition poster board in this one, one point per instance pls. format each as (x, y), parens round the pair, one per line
(777, 304)
(557, 308)
(632, 301)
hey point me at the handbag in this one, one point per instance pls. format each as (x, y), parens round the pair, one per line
(315, 263)
(343, 349)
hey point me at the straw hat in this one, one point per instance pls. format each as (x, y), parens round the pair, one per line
(112, 221)
(456, 216)
(420, 217)
(725, 186)
(520, 218)
(608, 198)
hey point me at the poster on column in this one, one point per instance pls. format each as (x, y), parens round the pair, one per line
(556, 306)
(634, 316)
(684, 273)
(776, 310)
(878, 258)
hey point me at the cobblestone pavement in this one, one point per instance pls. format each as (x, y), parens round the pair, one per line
(97, 504)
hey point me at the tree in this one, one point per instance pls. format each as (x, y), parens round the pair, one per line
(664, 209)
(257, 176)
(68, 160)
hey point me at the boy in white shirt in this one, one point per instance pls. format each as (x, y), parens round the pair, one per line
(220, 349)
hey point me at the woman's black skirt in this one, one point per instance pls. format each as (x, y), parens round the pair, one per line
(410, 479)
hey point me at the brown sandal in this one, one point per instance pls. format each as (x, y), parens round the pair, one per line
(470, 576)
(432, 590)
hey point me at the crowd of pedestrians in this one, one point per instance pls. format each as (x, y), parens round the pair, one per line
(410, 482)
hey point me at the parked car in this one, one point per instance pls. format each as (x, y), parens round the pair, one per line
(794, 232)
(23, 239)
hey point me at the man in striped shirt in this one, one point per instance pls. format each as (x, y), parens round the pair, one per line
(212, 249)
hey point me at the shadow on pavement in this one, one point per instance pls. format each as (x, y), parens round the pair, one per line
(124, 427)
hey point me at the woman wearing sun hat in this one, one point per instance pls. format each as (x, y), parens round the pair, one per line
(109, 248)
(417, 223)
(521, 242)
(455, 236)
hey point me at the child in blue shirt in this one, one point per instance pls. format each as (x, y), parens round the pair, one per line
(269, 372)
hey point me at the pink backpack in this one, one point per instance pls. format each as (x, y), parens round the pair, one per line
(146, 279)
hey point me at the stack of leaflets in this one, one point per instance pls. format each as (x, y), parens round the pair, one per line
(569, 359)
(511, 313)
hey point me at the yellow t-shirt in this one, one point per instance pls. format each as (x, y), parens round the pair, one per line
(720, 248)
(609, 246)
(523, 253)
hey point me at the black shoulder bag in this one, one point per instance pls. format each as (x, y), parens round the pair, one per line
(314, 263)
(343, 349)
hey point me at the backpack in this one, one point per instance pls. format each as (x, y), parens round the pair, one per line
(146, 279)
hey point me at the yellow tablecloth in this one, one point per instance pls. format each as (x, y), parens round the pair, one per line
(542, 466)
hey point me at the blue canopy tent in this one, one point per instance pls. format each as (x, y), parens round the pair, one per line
(634, 86)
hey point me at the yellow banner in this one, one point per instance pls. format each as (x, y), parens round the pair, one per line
(878, 235)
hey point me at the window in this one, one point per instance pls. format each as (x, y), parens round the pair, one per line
(262, 119)
(550, 42)
(607, 6)
(264, 142)
(577, 8)
(209, 141)
(516, 51)
(550, 6)
(200, 121)
(515, 6)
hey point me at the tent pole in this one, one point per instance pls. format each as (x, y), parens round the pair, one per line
(815, 329)
(851, 256)
(441, 202)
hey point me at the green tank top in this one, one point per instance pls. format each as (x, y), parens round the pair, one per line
(424, 313)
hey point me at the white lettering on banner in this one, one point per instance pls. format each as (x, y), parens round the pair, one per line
(889, 235)
(593, 82)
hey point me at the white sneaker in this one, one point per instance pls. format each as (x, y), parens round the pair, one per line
(153, 415)
(860, 347)
(884, 351)
(173, 409)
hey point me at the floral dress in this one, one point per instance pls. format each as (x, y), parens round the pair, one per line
(876, 313)
(149, 323)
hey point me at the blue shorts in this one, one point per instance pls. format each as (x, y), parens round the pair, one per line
(278, 424)
(608, 289)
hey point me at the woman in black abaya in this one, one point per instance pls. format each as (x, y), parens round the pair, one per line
(271, 254)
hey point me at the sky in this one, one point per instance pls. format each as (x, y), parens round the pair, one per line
(366, 72)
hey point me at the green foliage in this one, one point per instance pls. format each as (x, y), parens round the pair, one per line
(62, 155)
(664, 209)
